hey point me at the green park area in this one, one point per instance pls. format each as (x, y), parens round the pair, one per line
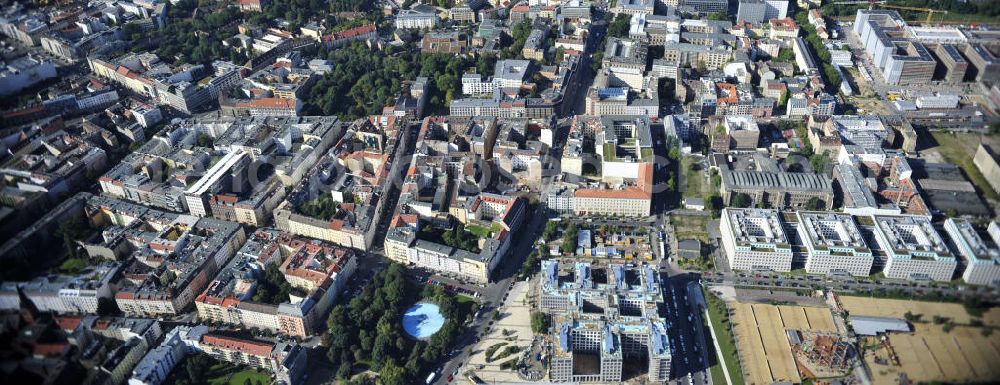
(720, 323)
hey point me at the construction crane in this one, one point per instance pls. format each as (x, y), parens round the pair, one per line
(873, 3)
(930, 12)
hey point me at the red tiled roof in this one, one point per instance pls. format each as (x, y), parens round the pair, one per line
(256, 348)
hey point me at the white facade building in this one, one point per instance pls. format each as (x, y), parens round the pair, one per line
(913, 248)
(982, 260)
(834, 244)
(754, 240)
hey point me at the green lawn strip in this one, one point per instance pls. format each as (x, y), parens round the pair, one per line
(239, 378)
(692, 178)
(717, 310)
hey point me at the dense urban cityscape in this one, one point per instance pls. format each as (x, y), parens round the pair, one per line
(494, 192)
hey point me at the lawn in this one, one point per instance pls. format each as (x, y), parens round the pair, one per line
(720, 322)
(718, 377)
(690, 226)
(482, 232)
(241, 377)
(693, 179)
(959, 150)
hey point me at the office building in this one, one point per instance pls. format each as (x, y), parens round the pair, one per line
(419, 17)
(954, 63)
(777, 189)
(902, 60)
(754, 239)
(988, 164)
(706, 6)
(986, 61)
(834, 244)
(914, 249)
(980, 257)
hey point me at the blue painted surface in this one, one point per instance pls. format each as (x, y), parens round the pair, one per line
(422, 320)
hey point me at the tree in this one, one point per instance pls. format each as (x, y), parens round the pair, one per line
(392, 374)
(700, 66)
(539, 322)
(740, 200)
(819, 162)
(719, 16)
(910, 317)
(570, 239)
(204, 140)
(619, 26)
(273, 288)
(785, 55)
(70, 231)
(713, 203)
(815, 203)
(551, 228)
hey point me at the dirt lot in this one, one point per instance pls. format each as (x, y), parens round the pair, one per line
(930, 355)
(959, 149)
(879, 307)
(763, 344)
(516, 320)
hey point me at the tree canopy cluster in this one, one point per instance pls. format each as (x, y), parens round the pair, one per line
(456, 237)
(985, 8)
(368, 331)
(187, 39)
(299, 12)
(272, 288)
(323, 207)
(361, 82)
(830, 75)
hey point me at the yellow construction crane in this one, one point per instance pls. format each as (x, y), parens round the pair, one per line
(930, 12)
(882, 3)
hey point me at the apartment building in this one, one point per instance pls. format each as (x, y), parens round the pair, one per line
(286, 360)
(402, 245)
(79, 293)
(171, 257)
(316, 271)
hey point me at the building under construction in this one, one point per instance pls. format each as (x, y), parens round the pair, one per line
(604, 319)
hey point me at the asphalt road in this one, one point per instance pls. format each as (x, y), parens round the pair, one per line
(493, 294)
(684, 328)
(851, 285)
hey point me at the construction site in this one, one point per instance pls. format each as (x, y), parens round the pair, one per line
(946, 344)
(931, 354)
(786, 343)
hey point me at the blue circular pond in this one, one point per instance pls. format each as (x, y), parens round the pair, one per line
(422, 320)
